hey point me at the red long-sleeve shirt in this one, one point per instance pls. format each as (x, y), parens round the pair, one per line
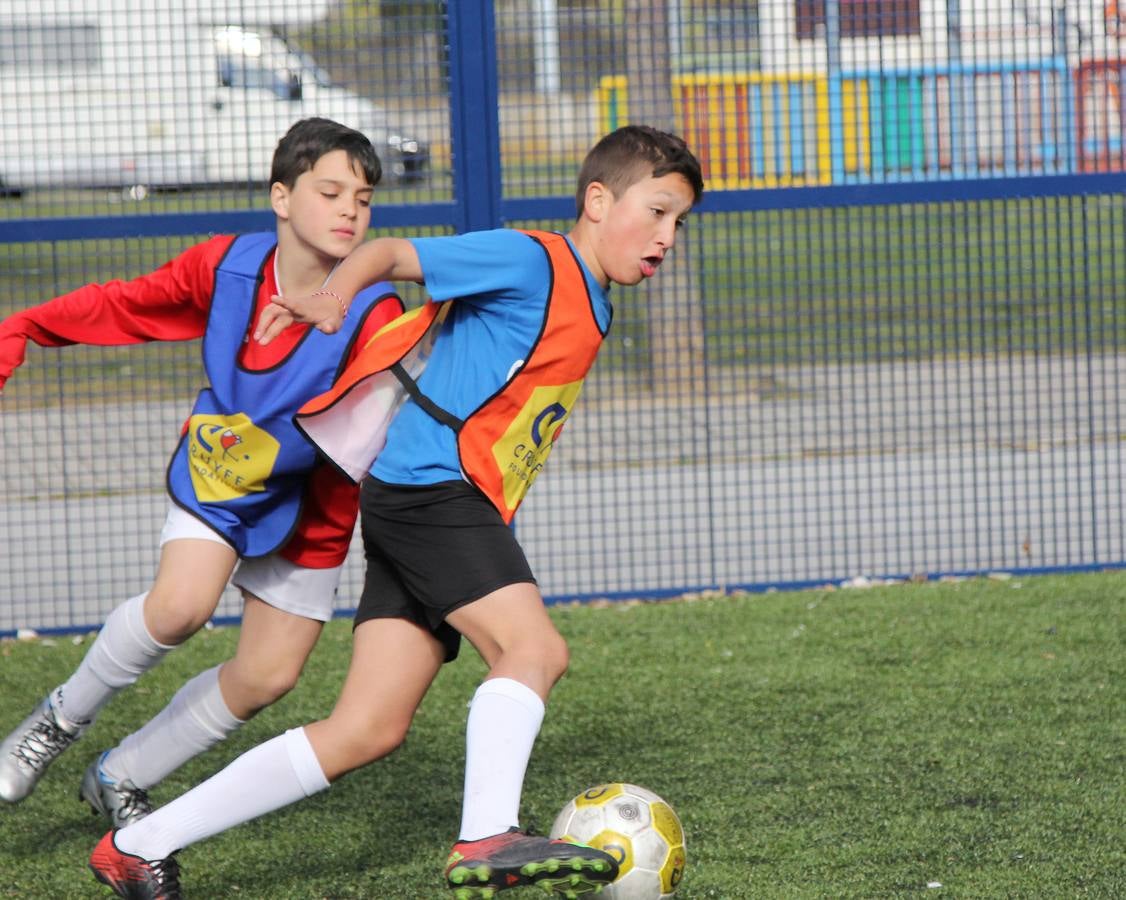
(172, 304)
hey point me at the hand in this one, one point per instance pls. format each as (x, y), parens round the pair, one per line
(325, 311)
(13, 348)
(273, 321)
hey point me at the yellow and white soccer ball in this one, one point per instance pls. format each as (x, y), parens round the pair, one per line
(637, 828)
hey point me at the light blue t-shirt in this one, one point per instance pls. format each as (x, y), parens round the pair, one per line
(499, 282)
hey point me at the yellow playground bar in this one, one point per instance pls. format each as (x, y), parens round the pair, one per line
(749, 129)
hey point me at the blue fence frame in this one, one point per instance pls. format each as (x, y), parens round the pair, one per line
(475, 152)
(478, 201)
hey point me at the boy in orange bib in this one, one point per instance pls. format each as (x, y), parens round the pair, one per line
(448, 416)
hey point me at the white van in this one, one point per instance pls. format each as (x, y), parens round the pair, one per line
(166, 93)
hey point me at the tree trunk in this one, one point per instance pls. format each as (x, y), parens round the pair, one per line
(675, 317)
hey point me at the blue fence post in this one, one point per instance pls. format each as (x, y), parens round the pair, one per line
(474, 116)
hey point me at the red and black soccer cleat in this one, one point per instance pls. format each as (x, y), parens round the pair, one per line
(132, 877)
(476, 870)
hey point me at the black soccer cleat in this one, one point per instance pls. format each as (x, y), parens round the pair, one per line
(477, 870)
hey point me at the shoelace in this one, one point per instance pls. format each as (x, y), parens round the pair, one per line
(166, 874)
(43, 742)
(133, 800)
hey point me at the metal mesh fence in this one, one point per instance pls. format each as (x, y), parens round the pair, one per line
(888, 345)
(929, 391)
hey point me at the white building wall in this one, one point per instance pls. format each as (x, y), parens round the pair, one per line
(991, 30)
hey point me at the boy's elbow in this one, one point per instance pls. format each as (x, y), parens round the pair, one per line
(401, 260)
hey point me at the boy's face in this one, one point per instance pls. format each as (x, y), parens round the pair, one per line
(633, 233)
(329, 207)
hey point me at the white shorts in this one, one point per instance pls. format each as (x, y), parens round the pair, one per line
(273, 579)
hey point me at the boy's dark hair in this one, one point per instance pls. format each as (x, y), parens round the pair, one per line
(310, 139)
(626, 156)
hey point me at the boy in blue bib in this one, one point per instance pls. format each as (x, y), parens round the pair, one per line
(243, 483)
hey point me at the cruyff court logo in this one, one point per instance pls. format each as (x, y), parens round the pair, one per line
(523, 449)
(229, 456)
(554, 414)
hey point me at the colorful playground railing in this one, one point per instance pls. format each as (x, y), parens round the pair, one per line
(1099, 113)
(749, 129)
(926, 123)
(957, 121)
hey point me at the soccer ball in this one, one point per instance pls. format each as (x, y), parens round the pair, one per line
(637, 828)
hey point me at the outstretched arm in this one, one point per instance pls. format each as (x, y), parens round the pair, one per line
(106, 315)
(382, 259)
(169, 304)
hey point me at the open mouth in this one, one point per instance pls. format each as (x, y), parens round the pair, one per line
(649, 265)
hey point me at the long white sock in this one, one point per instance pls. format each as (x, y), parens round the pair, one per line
(195, 719)
(504, 719)
(122, 652)
(272, 775)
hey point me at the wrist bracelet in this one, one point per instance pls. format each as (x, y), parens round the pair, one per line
(339, 299)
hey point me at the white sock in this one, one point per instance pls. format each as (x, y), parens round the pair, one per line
(122, 652)
(194, 720)
(504, 719)
(272, 775)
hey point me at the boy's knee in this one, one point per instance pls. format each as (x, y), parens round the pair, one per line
(272, 686)
(344, 743)
(364, 745)
(174, 615)
(551, 655)
(560, 658)
(254, 688)
(388, 742)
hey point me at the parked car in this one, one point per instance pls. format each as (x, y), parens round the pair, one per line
(121, 93)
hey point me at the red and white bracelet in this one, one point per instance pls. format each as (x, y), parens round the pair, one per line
(339, 299)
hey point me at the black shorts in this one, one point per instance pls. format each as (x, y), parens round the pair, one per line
(431, 549)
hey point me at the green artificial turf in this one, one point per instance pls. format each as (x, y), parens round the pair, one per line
(956, 739)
